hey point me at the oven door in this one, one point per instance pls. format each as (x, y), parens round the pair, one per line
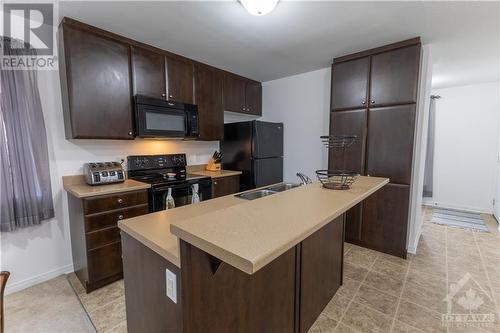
(181, 193)
(154, 121)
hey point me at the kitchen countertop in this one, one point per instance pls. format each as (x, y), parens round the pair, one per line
(216, 174)
(153, 230)
(248, 234)
(77, 187)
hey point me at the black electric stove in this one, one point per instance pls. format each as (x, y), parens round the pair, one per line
(164, 172)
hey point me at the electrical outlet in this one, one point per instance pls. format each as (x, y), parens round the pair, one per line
(171, 285)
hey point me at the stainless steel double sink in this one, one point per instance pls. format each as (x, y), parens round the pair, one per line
(264, 192)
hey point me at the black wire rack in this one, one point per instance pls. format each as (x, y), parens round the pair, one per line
(337, 179)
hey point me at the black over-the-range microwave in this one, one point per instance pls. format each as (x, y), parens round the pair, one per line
(158, 118)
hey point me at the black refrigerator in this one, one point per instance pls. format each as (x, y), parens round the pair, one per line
(256, 149)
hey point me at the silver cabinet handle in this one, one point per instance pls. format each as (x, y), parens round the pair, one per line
(130, 133)
(372, 101)
(163, 95)
(248, 109)
(170, 96)
(244, 109)
(120, 217)
(215, 183)
(120, 200)
(363, 102)
(171, 104)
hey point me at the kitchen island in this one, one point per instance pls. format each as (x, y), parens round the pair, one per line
(270, 264)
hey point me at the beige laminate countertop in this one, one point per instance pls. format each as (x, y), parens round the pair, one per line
(78, 188)
(248, 236)
(216, 174)
(153, 230)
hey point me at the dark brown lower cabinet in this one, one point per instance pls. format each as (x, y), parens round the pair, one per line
(217, 297)
(147, 305)
(225, 186)
(353, 218)
(287, 295)
(95, 237)
(320, 270)
(385, 219)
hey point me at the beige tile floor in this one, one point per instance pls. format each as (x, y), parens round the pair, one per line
(47, 307)
(381, 293)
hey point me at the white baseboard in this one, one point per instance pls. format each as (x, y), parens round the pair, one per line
(26, 283)
(479, 210)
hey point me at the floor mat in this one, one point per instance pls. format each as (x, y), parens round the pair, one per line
(458, 219)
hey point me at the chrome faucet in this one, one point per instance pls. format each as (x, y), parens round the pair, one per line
(304, 179)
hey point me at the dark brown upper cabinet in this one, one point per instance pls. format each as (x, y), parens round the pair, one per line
(394, 76)
(180, 79)
(95, 84)
(208, 97)
(349, 123)
(242, 95)
(253, 98)
(350, 84)
(148, 70)
(390, 143)
(102, 71)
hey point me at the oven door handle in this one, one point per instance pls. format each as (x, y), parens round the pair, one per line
(173, 187)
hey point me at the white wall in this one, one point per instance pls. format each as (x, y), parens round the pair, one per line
(496, 210)
(419, 154)
(466, 147)
(39, 253)
(302, 102)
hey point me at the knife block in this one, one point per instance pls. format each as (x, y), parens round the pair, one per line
(212, 165)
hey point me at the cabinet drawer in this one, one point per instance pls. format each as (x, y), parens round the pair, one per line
(102, 237)
(114, 201)
(109, 219)
(104, 262)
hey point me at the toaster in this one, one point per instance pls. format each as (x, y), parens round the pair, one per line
(103, 173)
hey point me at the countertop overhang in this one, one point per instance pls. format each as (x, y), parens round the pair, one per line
(251, 234)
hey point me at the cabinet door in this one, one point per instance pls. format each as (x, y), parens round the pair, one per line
(349, 123)
(234, 91)
(385, 219)
(225, 186)
(253, 98)
(353, 219)
(320, 270)
(394, 76)
(180, 75)
(98, 87)
(390, 143)
(208, 97)
(350, 84)
(148, 73)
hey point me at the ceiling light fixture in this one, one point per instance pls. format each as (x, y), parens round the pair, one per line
(259, 7)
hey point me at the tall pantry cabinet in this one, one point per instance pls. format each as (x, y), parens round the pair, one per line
(374, 96)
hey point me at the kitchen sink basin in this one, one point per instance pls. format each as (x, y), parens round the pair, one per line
(267, 191)
(283, 187)
(255, 194)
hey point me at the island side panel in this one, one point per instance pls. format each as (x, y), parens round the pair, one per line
(321, 259)
(218, 297)
(147, 305)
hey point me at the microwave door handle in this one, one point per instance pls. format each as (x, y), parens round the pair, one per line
(186, 124)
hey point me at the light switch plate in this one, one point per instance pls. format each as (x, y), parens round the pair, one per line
(171, 285)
